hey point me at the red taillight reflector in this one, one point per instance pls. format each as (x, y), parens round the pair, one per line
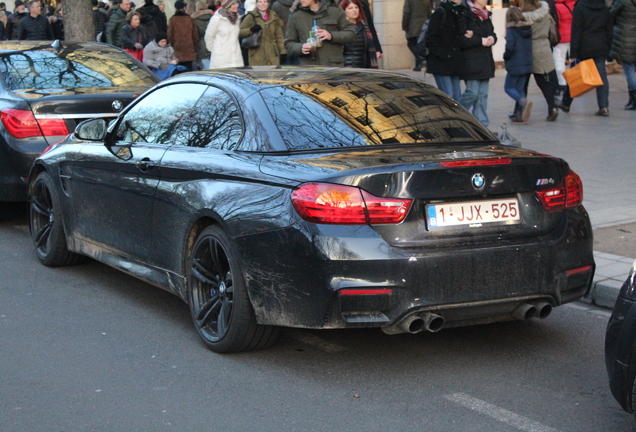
(53, 127)
(22, 124)
(334, 204)
(365, 291)
(477, 162)
(578, 270)
(385, 210)
(567, 194)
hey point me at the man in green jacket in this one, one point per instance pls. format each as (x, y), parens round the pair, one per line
(414, 15)
(335, 31)
(116, 22)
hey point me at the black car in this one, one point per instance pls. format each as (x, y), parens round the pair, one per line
(46, 90)
(620, 345)
(315, 198)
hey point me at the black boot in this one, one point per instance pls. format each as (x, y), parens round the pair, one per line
(631, 105)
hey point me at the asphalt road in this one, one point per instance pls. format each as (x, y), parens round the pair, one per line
(88, 348)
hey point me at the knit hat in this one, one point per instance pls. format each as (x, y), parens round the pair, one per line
(225, 4)
(178, 5)
(19, 3)
(160, 36)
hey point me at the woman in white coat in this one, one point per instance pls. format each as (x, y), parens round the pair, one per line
(222, 36)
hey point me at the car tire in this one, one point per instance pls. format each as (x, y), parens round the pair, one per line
(219, 303)
(46, 225)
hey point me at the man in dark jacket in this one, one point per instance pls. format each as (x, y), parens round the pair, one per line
(445, 60)
(283, 9)
(591, 39)
(116, 21)
(99, 18)
(35, 26)
(13, 23)
(157, 15)
(414, 15)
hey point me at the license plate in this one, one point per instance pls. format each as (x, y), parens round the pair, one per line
(473, 213)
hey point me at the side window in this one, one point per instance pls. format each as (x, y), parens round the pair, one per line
(158, 116)
(214, 123)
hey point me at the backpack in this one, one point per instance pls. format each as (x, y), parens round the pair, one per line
(421, 38)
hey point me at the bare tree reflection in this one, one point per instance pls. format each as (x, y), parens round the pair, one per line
(45, 69)
(215, 123)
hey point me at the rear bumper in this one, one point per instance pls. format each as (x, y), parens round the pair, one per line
(298, 276)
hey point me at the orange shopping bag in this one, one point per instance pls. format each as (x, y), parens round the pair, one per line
(582, 78)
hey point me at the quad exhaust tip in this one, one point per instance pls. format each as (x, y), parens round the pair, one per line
(526, 311)
(431, 322)
(416, 323)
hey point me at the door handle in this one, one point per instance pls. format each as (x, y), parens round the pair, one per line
(145, 164)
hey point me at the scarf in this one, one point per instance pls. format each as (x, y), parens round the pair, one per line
(232, 16)
(482, 14)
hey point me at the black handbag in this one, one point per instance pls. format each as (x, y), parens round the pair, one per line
(553, 35)
(252, 41)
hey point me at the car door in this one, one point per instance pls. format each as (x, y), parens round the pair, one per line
(114, 183)
(202, 172)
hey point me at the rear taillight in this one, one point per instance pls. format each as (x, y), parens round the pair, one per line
(568, 194)
(334, 204)
(22, 124)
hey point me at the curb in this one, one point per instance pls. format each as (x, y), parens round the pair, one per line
(604, 293)
(611, 272)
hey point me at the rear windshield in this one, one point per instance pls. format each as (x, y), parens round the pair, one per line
(345, 114)
(45, 69)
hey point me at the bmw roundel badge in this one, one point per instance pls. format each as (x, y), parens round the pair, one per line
(117, 105)
(479, 181)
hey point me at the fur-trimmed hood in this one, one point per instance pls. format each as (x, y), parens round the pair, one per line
(538, 14)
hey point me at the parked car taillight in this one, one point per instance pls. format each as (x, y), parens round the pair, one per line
(567, 194)
(333, 204)
(23, 124)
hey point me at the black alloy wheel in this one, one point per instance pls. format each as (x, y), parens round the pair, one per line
(219, 304)
(46, 226)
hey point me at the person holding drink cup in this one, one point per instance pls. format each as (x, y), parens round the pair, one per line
(316, 32)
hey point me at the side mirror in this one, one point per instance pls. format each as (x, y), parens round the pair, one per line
(91, 130)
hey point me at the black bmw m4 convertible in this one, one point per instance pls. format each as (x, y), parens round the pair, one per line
(315, 198)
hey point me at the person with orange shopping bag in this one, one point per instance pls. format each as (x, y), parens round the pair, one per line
(591, 38)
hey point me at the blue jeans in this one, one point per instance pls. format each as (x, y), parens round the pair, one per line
(629, 69)
(449, 84)
(476, 97)
(602, 92)
(514, 86)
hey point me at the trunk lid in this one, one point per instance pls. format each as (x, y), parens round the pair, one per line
(419, 173)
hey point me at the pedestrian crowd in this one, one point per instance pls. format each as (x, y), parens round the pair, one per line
(542, 39)
(454, 40)
(234, 33)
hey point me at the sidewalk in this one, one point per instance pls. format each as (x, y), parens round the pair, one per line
(600, 149)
